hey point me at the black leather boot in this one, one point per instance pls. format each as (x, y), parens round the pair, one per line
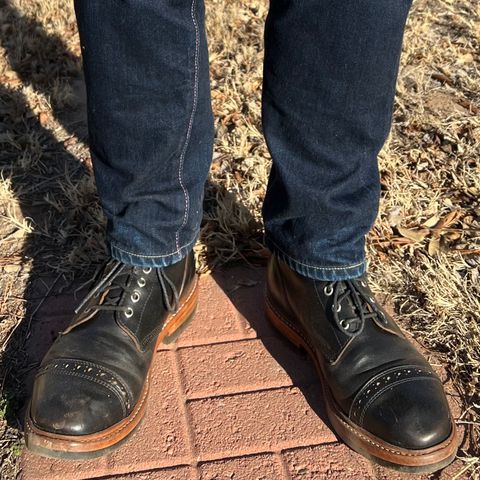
(91, 389)
(382, 397)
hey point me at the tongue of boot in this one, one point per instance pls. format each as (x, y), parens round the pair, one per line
(351, 309)
(110, 271)
(111, 280)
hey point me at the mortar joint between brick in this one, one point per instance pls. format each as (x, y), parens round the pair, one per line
(213, 341)
(283, 465)
(183, 405)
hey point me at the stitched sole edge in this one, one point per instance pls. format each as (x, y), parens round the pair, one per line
(363, 442)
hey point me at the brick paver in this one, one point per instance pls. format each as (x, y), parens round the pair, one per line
(252, 467)
(338, 463)
(230, 400)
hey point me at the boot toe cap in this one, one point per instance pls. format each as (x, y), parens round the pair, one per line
(413, 414)
(69, 405)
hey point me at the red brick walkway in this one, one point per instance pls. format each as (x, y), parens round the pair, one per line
(230, 400)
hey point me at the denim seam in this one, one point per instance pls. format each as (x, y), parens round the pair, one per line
(113, 245)
(348, 267)
(190, 125)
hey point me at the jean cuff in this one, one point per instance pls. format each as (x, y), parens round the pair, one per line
(154, 261)
(322, 273)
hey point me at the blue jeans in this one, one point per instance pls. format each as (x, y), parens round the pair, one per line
(329, 83)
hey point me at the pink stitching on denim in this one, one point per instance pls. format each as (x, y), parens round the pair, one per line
(190, 125)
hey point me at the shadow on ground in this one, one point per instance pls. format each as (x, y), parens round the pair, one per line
(44, 177)
(245, 286)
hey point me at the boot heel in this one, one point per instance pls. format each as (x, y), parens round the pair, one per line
(179, 321)
(169, 339)
(282, 327)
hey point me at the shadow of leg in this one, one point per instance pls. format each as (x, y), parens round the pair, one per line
(45, 62)
(50, 220)
(229, 231)
(237, 259)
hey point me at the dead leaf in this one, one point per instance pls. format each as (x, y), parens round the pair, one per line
(11, 268)
(10, 80)
(401, 241)
(432, 221)
(465, 58)
(452, 236)
(466, 251)
(448, 220)
(394, 216)
(417, 235)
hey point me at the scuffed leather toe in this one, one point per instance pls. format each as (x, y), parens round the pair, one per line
(74, 405)
(412, 413)
(92, 386)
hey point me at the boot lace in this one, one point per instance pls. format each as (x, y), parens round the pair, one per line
(118, 279)
(352, 306)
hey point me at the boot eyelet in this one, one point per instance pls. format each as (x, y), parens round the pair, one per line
(338, 309)
(344, 324)
(141, 282)
(363, 284)
(328, 290)
(129, 312)
(135, 297)
(147, 270)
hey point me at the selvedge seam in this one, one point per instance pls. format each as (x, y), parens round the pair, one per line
(311, 266)
(190, 124)
(179, 249)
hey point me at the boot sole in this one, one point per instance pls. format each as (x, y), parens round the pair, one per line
(375, 449)
(96, 444)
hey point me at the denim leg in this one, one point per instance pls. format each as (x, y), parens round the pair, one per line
(150, 122)
(329, 84)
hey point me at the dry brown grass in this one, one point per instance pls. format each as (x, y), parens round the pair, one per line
(424, 249)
